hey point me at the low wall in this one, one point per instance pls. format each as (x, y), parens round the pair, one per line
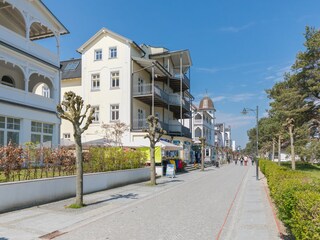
(23, 194)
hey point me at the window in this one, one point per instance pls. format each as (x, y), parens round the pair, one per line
(114, 112)
(141, 119)
(46, 92)
(67, 135)
(96, 114)
(97, 54)
(9, 130)
(42, 133)
(71, 66)
(8, 81)
(113, 52)
(140, 85)
(115, 79)
(95, 82)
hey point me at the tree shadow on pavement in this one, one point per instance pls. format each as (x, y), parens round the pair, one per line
(169, 181)
(3, 238)
(114, 197)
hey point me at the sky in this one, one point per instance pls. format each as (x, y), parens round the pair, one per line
(239, 48)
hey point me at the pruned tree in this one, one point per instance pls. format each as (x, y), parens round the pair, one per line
(203, 146)
(154, 133)
(71, 109)
(114, 131)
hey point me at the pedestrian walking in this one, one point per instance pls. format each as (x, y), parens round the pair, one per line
(241, 160)
(252, 160)
(245, 160)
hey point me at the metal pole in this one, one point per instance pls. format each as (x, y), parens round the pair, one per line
(257, 144)
(181, 93)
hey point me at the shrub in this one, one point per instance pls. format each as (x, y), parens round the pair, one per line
(291, 191)
(306, 215)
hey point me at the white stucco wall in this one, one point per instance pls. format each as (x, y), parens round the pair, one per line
(35, 192)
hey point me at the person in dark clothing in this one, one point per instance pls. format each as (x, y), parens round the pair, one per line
(241, 160)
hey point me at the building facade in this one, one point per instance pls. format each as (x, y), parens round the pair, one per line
(203, 126)
(29, 73)
(125, 82)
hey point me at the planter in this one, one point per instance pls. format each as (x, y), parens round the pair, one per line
(24, 194)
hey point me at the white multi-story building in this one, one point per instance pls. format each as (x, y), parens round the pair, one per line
(222, 138)
(203, 126)
(29, 72)
(126, 82)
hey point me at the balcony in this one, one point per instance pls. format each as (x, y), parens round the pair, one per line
(141, 124)
(175, 105)
(22, 97)
(177, 129)
(144, 94)
(13, 39)
(174, 82)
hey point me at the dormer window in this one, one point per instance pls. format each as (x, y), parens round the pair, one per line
(8, 81)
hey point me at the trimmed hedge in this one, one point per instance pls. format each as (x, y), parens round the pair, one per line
(297, 197)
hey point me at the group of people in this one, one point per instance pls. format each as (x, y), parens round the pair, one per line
(244, 160)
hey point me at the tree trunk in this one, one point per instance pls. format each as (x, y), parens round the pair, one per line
(202, 157)
(152, 165)
(79, 165)
(293, 161)
(279, 150)
(273, 148)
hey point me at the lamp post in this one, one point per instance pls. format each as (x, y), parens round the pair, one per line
(245, 111)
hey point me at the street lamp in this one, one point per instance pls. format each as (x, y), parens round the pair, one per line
(246, 111)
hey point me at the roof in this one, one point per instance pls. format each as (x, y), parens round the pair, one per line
(103, 31)
(206, 104)
(71, 69)
(175, 58)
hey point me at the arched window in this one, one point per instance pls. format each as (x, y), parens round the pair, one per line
(198, 116)
(197, 132)
(8, 81)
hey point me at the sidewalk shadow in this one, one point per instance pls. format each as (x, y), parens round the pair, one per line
(114, 197)
(4, 238)
(170, 181)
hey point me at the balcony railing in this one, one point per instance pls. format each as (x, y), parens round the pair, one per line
(185, 79)
(28, 46)
(174, 99)
(177, 129)
(26, 98)
(146, 89)
(141, 124)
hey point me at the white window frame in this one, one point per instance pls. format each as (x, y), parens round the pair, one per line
(96, 114)
(16, 127)
(95, 82)
(141, 118)
(98, 55)
(42, 131)
(114, 112)
(115, 79)
(113, 52)
(140, 85)
(46, 91)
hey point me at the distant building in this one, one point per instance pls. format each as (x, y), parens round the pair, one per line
(203, 125)
(29, 73)
(222, 139)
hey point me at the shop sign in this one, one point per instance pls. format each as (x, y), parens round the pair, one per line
(170, 171)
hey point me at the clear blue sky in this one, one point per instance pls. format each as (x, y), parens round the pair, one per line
(238, 48)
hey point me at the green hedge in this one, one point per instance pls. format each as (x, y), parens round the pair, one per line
(297, 197)
(101, 159)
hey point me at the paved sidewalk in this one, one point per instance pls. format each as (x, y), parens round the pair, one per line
(238, 209)
(251, 215)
